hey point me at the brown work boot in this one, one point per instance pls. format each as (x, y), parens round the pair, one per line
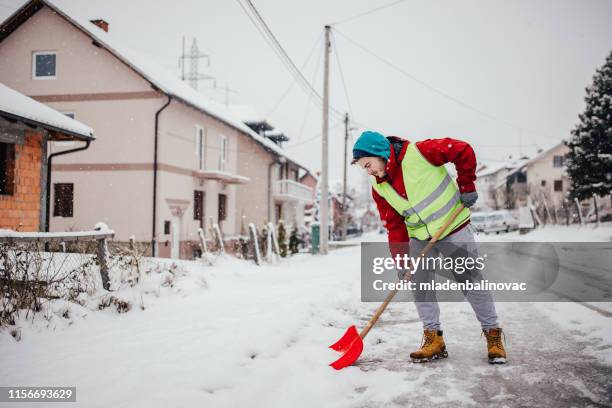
(495, 346)
(433, 347)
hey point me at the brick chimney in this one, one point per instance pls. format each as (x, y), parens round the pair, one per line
(101, 23)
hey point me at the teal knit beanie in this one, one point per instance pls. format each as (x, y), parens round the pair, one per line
(371, 144)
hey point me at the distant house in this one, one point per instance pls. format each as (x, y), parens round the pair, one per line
(511, 192)
(26, 128)
(289, 190)
(488, 181)
(543, 179)
(547, 175)
(167, 160)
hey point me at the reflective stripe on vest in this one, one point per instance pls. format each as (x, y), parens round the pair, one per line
(438, 214)
(432, 196)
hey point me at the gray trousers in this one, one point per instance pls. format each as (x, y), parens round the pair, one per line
(459, 244)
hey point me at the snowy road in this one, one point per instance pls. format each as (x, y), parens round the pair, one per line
(234, 336)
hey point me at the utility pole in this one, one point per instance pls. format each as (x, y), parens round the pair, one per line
(344, 169)
(324, 231)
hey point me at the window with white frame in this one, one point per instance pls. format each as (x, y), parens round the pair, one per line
(44, 65)
(200, 151)
(558, 161)
(224, 152)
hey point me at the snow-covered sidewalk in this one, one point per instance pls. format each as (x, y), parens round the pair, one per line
(240, 335)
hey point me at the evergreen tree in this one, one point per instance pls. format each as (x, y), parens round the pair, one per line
(282, 239)
(589, 163)
(294, 241)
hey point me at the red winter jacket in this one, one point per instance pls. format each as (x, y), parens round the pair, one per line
(437, 152)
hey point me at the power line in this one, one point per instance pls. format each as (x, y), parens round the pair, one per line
(271, 39)
(309, 106)
(299, 77)
(310, 54)
(334, 126)
(440, 92)
(365, 13)
(348, 100)
(297, 74)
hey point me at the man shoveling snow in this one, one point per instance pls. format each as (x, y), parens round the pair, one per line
(415, 197)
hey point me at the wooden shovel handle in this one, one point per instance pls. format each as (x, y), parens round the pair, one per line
(427, 248)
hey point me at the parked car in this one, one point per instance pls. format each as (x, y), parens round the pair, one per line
(502, 220)
(478, 220)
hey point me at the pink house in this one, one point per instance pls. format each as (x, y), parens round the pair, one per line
(167, 160)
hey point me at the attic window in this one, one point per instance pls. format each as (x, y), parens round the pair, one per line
(44, 65)
(558, 161)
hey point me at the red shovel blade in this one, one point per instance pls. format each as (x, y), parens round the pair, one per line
(351, 345)
(345, 341)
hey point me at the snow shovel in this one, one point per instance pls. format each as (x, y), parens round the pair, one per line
(351, 343)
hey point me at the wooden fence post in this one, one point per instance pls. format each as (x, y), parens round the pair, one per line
(596, 208)
(203, 245)
(217, 231)
(579, 212)
(103, 258)
(255, 239)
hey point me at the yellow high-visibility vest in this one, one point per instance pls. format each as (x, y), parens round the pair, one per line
(432, 196)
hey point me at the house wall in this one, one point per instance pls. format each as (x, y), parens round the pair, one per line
(47, 31)
(311, 182)
(179, 160)
(486, 189)
(252, 198)
(21, 210)
(543, 169)
(113, 179)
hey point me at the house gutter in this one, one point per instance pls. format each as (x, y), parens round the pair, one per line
(155, 167)
(49, 165)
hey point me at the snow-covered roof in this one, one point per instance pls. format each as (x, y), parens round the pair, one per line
(487, 171)
(18, 106)
(246, 113)
(161, 78)
(544, 152)
(510, 164)
(520, 166)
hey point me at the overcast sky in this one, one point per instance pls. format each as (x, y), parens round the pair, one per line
(513, 72)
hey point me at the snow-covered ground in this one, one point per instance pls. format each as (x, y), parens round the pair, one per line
(235, 334)
(558, 233)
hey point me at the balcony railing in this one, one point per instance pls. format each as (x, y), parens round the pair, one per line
(291, 190)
